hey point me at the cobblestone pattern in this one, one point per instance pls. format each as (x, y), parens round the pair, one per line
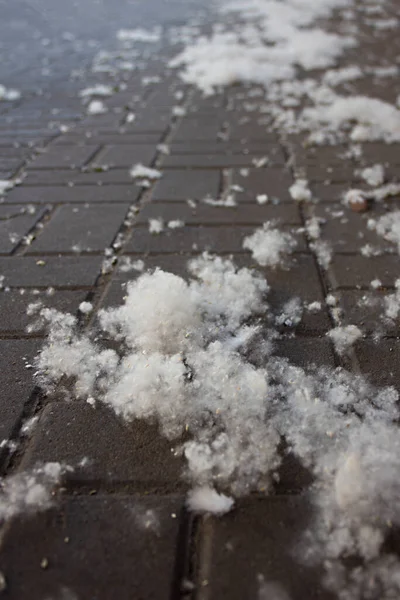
(73, 203)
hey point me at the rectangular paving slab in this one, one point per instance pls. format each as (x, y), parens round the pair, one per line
(100, 547)
(257, 543)
(16, 381)
(135, 454)
(82, 228)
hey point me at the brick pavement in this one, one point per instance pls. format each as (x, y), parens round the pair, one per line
(72, 204)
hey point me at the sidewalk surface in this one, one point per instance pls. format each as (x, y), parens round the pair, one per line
(70, 231)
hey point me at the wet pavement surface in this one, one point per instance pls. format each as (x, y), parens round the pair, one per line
(74, 200)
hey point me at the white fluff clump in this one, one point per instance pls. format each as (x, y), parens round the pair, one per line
(392, 302)
(244, 56)
(269, 246)
(9, 94)
(139, 171)
(206, 499)
(85, 308)
(97, 90)
(176, 224)
(156, 225)
(96, 107)
(5, 185)
(388, 227)
(222, 290)
(300, 191)
(138, 35)
(159, 314)
(376, 119)
(30, 491)
(374, 175)
(344, 337)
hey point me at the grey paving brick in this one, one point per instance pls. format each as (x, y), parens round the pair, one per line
(45, 271)
(85, 228)
(331, 173)
(301, 280)
(306, 351)
(116, 137)
(204, 214)
(14, 304)
(134, 454)
(185, 184)
(125, 155)
(15, 222)
(194, 128)
(354, 271)
(16, 381)
(228, 148)
(97, 547)
(366, 309)
(273, 182)
(192, 239)
(218, 161)
(56, 157)
(257, 542)
(347, 231)
(71, 177)
(332, 192)
(379, 152)
(79, 194)
(380, 361)
(150, 121)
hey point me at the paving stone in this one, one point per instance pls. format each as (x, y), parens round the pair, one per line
(56, 157)
(150, 121)
(218, 161)
(332, 192)
(182, 185)
(352, 271)
(15, 222)
(84, 229)
(79, 194)
(193, 239)
(204, 214)
(194, 128)
(135, 454)
(306, 351)
(347, 231)
(379, 152)
(70, 177)
(16, 381)
(258, 540)
(366, 309)
(45, 271)
(249, 127)
(273, 182)
(380, 361)
(228, 148)
(97, 547)
(301, 280)
(116, 137)
(14, 304)
(126, 155)
(332, 174)
(320, 155)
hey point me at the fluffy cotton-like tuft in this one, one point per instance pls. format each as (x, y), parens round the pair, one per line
(206, 499)
(30, 491)
(344, 337)
(269, 246)
(300, 191)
